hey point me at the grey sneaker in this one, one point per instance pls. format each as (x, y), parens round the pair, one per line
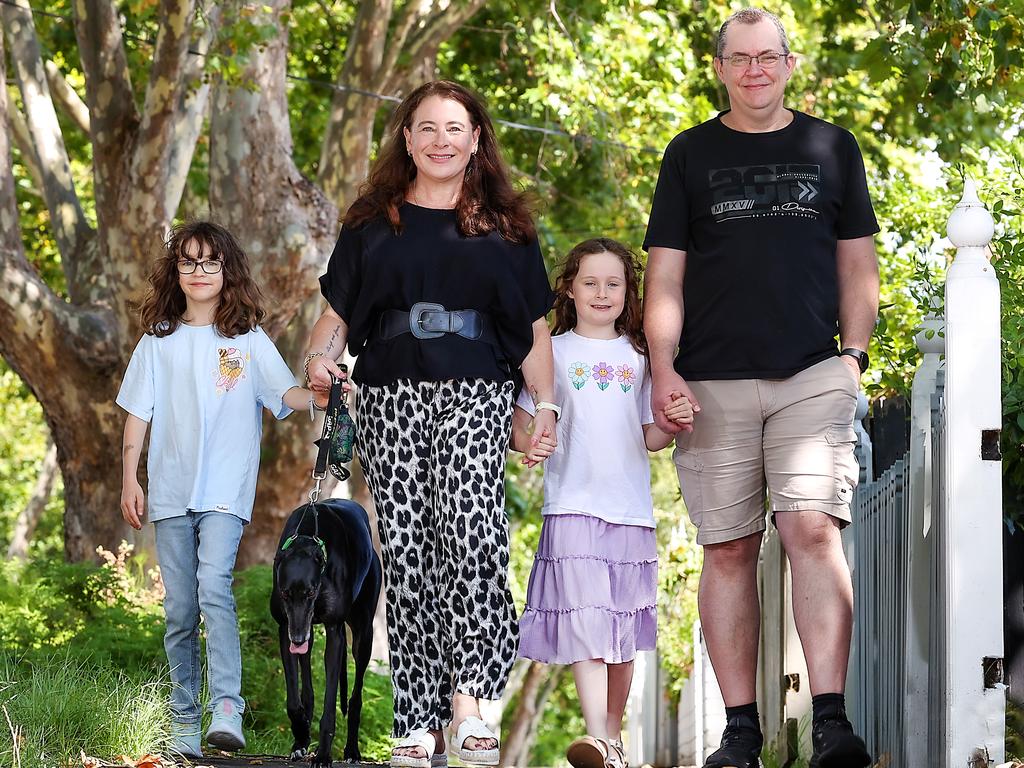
(185, 740)
(226, 729)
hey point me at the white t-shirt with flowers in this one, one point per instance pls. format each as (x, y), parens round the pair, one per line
(600, 467)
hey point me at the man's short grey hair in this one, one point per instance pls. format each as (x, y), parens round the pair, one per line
(751, 16)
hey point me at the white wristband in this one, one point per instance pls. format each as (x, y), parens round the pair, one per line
(544, 405)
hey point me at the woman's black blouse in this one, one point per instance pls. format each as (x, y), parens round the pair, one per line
(372, 270)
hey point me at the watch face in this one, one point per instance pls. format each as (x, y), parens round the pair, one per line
(859, 355)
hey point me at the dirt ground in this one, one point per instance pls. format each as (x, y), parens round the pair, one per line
(263, 761)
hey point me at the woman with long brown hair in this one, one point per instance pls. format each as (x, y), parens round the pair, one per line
(438, 285)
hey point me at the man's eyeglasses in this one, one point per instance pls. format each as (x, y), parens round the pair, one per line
(188, 266)
(766, 60)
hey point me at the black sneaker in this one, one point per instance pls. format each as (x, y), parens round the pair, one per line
(837, 746)
(741, 745)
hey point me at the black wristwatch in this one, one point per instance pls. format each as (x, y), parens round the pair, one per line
(859, 355)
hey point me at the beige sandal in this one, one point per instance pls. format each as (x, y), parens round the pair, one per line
(618, 757)
(588, 752)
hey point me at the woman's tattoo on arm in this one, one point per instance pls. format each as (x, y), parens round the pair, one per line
(334, 337)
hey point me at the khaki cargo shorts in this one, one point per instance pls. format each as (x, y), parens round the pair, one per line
(792, 437)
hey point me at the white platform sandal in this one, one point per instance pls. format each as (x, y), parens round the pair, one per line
(419, 737)
(475, 728)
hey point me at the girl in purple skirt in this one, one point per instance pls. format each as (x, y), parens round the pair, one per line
(593, 587)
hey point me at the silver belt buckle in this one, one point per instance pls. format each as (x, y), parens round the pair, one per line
(416, 320)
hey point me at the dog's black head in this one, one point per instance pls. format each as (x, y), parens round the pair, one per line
(298, 570)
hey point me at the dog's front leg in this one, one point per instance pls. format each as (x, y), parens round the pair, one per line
(334, 657)
(298, 714)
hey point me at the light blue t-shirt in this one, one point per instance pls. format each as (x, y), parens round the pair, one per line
(202, 394)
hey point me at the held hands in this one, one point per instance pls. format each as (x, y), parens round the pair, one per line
(133, 503)
(320, 399)
(671, 395)
(543, 441)
(680, 410)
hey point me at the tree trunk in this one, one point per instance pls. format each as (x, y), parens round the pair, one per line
(287, 227)
(512, 752)
(72, 354)
(25, 524)
(554, 678)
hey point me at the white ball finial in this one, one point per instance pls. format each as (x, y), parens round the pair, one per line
(970, 224)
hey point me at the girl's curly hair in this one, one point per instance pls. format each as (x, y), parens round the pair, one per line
(241, 302)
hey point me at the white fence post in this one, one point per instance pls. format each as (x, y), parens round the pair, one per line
(974, 694)
(931, 341)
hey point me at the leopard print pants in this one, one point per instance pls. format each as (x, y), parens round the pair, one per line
(434, 458)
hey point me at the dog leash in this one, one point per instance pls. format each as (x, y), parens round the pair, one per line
(331, 415)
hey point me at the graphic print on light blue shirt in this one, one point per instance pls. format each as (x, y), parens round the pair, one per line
(203, 394)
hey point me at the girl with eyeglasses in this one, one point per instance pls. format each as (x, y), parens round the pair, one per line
(201, 375)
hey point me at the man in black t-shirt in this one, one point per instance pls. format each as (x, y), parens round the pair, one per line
(766, 212)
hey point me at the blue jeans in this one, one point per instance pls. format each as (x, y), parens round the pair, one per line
(197, 554)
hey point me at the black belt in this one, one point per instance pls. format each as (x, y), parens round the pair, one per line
(432, 321)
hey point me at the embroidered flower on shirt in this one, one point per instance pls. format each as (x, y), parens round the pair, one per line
(627, 377)
(604, 375)
(578, 374)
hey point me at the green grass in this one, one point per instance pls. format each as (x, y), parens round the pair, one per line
(82, 667)
(59, 705)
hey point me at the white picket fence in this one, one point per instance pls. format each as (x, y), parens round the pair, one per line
(926, 680)
(925, 684)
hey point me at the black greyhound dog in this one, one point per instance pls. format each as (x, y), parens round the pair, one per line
(325, 572)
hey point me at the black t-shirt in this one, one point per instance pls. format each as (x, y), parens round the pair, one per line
(758, 215)
(372, 269)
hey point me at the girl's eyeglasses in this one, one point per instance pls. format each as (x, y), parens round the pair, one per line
(188, 266)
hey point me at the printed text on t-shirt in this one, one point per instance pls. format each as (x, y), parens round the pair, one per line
(758, 191)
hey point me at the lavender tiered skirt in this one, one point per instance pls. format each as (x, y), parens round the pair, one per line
(592, 592)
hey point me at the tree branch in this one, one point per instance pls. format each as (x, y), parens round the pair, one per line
(28, 518)
(112, 112)
(35, 324)
(192, 104)
(413, 14)
(67, 97)
(440, 24)
(344, 151)
(164, 93)
(22, 137)
(68, 222)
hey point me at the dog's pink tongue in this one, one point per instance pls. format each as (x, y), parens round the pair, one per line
(299, 649)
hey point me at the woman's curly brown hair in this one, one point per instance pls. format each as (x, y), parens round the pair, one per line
(630, 322)
(241, 303)
(487, 202)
